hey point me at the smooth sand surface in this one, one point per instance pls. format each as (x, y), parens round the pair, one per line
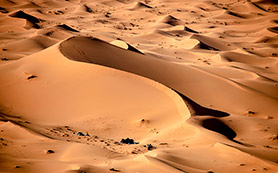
(193, 83)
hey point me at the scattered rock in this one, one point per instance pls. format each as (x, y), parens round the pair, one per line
(31, 77)
(267, 146)
(150, 147)
(114, 170)
(88, 9)
(50, 152)
(251, 112)
(144, 122)
(275, 137)
(58, 12)
(134, 152)
(80, 134)
(128, 141)
(107, 14)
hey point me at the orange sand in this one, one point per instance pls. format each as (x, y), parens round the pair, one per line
(198, 80)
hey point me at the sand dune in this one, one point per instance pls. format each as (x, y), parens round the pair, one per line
(193, 85)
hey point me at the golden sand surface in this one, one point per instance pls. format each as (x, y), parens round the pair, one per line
(194, 84)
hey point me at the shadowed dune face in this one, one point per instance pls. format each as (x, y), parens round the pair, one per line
(21, 14)
(200, 110)
(29, 18)
(219, 127)
(273, 29)
(193, 85)
(141, 5)
(66, 27)
(3, 10)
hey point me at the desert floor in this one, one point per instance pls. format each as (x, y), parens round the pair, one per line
(194, 84)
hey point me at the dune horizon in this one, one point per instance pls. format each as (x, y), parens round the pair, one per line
(143, 86)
